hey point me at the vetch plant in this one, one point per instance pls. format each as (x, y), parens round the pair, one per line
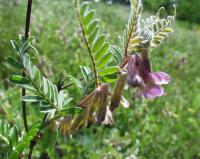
(102, 83)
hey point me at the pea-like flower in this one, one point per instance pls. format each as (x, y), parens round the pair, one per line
(140, 75)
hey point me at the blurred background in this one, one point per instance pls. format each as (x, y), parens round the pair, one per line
(166, 128)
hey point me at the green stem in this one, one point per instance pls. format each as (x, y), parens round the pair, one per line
(26, 34)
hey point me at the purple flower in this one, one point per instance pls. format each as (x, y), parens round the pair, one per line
(133, 78)
(140, 75)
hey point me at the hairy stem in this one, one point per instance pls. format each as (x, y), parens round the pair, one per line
(26, 34)
(128, 41)
(133, 20)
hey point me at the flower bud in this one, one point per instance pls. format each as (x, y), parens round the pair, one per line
(54, 125)
(80, 120)
(95, 101)
(108, 118)
(132, 78)
(92, 100)
(143, 68)
(117, 92)
(65, 124)
(91, 120)
(101, 111)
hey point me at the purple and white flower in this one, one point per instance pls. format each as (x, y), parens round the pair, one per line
(140, 75)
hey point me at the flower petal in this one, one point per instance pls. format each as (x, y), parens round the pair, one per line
(146, 60)
(159, 78)
(142, 68)
(153, 92)
(108, 118)
(132, 71)
(133, 78)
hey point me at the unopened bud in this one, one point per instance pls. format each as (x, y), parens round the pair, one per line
(132, 78)
(95, 101)
(101, 111)
(54, 125)
(117, 92)
(91, 120)
(65, 124)
(108, 118)
(80, 120)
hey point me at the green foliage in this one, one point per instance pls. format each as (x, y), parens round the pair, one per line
(87, 73)
(155, 4)
(14, 63)
(77, 83)
(14, 142)
(25, 141)
(117, 53)
(108, 71)
(164, 128)
(96, 43)
(45, 93)
(48, 140)
(189, 10)
(131, 38)
(19, 79)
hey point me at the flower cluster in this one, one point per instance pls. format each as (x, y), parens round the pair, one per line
(140, 75)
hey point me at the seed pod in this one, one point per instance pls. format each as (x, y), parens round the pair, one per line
(95, 101)
(117, 92)
(101, 111)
